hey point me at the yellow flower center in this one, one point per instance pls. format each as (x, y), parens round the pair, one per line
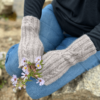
(38, 65)
(24, 67)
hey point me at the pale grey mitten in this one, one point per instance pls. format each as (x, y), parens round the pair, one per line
(57, 62)
(30, 46)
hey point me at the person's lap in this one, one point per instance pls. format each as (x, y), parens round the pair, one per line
(52, 38)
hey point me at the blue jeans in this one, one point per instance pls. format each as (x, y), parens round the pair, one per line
(52, 38)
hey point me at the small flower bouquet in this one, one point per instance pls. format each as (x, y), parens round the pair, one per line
(28, 70)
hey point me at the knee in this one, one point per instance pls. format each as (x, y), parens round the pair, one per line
(50, 33)
(66, 42)
(34, 90)
(11, 63)
(48, 18)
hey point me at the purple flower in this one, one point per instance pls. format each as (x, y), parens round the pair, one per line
(38, 65)
(25, 75)
(14, 79)
(25, 68)
(40, 81)
(23, 61)
(19, 87)
(38, 59)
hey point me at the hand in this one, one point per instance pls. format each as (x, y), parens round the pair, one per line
(30, 45)
(57, 62)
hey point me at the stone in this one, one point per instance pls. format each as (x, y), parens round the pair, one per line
(18, 7)
(10, 39)
(84, 87)
(7, 93)
(89, 80)
(0, 73)
(6, 6)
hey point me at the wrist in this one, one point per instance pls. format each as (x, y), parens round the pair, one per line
(80, 49)
(31, 23)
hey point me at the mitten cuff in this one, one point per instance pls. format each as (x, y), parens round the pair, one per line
(31, 21)
(80, 49)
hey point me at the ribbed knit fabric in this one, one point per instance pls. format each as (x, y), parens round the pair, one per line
(30, 45)
(57, 62)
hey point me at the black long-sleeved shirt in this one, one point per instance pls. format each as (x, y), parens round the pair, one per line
(33, 7)
(75, 17)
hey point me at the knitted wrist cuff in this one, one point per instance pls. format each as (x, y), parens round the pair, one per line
(82, 47)
(31, 22)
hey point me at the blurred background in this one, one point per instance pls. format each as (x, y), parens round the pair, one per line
(84, 87)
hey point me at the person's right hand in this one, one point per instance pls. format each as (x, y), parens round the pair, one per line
(30, 45)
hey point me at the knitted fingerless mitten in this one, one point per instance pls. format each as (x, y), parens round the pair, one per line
(30, 45)
(57, 62)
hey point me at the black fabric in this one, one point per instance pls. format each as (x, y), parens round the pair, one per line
(76, 17)
(33, 8)
(94, 35)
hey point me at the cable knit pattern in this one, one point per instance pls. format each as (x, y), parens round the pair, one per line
(30, 45)
(57, 62)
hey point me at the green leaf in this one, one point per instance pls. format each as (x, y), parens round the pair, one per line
(41, 61)
(38, 69)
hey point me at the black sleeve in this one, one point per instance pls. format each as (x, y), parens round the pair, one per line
(94, 35)
(33, 8)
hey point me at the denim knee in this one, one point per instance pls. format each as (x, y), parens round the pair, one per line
(50, 33)
(11, 63)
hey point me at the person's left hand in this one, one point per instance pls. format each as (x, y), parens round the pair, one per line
(57, 62)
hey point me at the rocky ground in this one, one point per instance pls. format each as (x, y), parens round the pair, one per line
(84, 87)
(10, 35)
